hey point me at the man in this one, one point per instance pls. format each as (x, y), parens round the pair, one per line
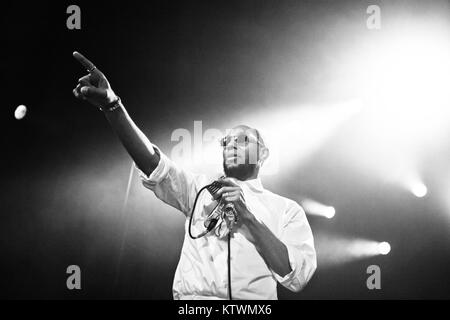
(269, 238)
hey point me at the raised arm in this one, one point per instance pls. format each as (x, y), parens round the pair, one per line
(96, 89)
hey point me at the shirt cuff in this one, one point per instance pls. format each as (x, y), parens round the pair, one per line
(289, 279)
(158, 174)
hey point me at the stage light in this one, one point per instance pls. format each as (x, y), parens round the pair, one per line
(419, 190)
(402, 76)
(334, 250)
(384, 248)
(330, 212)
(315, 208)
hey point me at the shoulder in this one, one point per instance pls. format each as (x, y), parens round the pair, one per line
(290, 206)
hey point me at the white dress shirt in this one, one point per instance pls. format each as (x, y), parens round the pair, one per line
(202, 271)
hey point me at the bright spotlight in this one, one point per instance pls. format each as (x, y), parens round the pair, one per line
(419, 190)
(403, 76)
(330, 212)
(384, 248)
(334, 249)
(315, 208)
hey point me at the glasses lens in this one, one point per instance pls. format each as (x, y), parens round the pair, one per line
(225, 141)
(242, 140)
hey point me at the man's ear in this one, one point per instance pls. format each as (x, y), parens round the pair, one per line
(264, 154)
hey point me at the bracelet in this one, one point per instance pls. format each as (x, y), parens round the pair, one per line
(112, 106)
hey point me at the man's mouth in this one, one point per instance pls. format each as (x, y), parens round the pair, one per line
(231, 159)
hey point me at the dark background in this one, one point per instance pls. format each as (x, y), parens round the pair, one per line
(64, 174)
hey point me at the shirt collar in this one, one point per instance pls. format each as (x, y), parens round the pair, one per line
(254, 184)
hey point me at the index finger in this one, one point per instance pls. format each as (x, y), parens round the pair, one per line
(88, 65)
(228, 182)
(223, 190)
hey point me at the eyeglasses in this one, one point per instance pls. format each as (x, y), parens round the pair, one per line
(242, 140)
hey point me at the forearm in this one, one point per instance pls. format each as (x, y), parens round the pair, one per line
(134, 140)
(273, 251)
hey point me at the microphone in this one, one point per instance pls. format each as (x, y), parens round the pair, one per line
(230, 214)
(225, 211)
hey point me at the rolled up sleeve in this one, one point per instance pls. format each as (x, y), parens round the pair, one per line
(172, 184)
(298, 238)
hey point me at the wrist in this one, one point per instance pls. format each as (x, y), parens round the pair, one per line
(114, 105)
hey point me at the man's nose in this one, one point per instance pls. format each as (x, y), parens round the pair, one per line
(231, 147)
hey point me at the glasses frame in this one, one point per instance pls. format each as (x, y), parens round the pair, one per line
(224, 142)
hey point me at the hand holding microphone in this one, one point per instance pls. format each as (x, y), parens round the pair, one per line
(231, 208)
(232, 196)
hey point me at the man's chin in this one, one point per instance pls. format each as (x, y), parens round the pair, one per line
(239, 171)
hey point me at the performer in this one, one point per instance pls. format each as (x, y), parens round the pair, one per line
(268, 241)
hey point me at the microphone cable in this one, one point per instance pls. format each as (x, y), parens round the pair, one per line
(210, 227)
(230, 296)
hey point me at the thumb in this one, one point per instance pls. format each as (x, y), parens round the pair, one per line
(93, 93)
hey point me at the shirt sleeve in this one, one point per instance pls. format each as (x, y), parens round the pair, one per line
(298, 238)
(171, 184)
